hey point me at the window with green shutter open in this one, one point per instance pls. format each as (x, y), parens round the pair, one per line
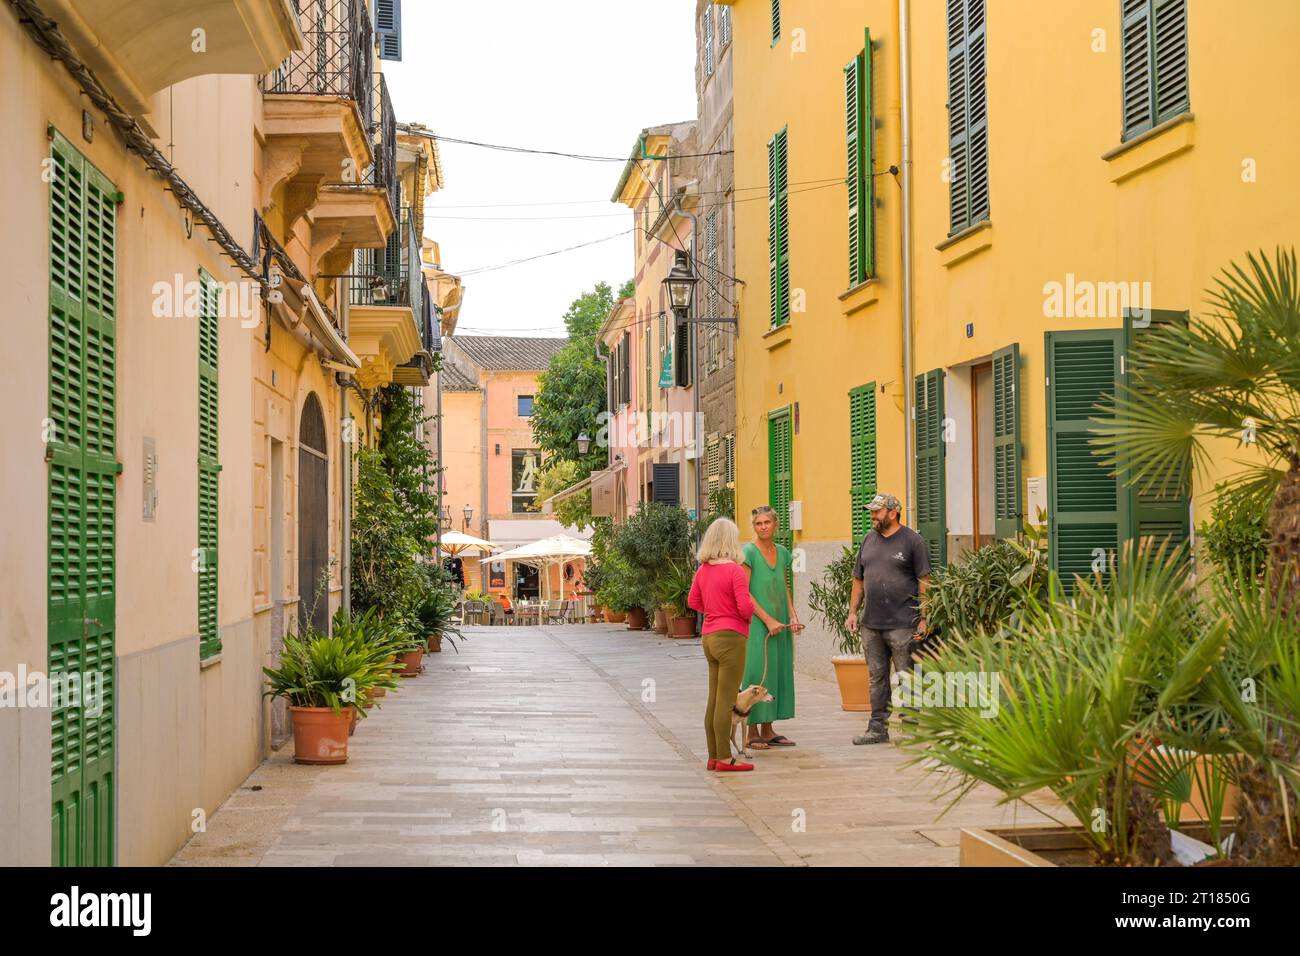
(209, 467)
(968, 148)
(780, 471)
(859, 127)
(931, 474)
(776, 22)
(1154, 63)
(778, 234)
(1008, 508)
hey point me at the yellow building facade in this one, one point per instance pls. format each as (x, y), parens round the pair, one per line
(1070, 175)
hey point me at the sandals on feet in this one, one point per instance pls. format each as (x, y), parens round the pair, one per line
(757, 744)
(780, 740)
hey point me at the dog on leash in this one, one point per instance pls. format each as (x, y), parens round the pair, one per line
(745, 701)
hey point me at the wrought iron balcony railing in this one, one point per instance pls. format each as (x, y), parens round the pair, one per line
(337, 58)
(383, 138)
(390, 276)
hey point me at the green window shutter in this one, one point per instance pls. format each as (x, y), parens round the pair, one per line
(82, 511)
(1161, 509)
(1154, 63)
(776, 22)
(209, 467)
(780, 471)
(1170, 61)
(967, 115)
(1085, 509)
(1135, 28)
(682, 353)
(862, 455)
(1008, 507)
(931, 512)
(778, 239)
(859, 127)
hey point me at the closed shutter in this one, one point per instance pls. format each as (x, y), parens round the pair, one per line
(667, 483)
(862, 455)
(712, 464)
(858, 126)
(778, 239)
(776, 22)
(209, 637)
(724, 27)
(780, 471)
(1155, 67)
(1008, 507)
(388, 28)
(1085, 510)
(707, 40)
(1159, 510)
(931, 513)
(625, 395)
(967, 115)
(711, 294)
(682, 353)
(729, 459)
(82, 513)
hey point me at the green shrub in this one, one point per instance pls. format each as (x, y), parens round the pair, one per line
(829, 600)
(1237, 533)
(988, 588)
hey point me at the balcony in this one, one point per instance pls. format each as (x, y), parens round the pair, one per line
(330, 137)
(137, 49)
(388, 321)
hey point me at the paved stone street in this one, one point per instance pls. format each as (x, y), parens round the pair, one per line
(584, 745)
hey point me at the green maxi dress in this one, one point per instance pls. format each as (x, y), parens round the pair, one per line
(767, 587)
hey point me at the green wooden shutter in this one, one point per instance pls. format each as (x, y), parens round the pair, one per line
(968, 194)
(682, 353)
(1008, 507)
(859, 125)
(1085, 509)
(1154, 63)
(1159, 510)
(81, 531)
(209, 636)
(1169, 67)
(931, 511)
(776, 22)
(778, 238)
(780, 471)
(862, 455)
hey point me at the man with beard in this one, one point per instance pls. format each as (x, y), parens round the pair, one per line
(893, 572)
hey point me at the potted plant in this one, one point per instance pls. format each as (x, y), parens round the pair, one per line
(674, 591)
(829, 600)
(321, 677)
(437, 616)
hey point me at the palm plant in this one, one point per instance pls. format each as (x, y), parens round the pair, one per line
(1080, 686)
(673, 587)
(829, 599)
(437, 614)
(323, 671)
(1234, 375)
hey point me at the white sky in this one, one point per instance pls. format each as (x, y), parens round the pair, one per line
(580, 76)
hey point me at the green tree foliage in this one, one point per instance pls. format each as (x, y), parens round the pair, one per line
(574, 511)
(571, 392)
(385, 575)
(409, 462)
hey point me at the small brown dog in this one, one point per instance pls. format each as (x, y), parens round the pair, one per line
(745, 702)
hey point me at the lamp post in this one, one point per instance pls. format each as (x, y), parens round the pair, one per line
(584, 443)
(681, 282)
(468, 512)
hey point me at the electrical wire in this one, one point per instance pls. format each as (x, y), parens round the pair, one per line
(514, 262)
(606, 201)
(585, 157)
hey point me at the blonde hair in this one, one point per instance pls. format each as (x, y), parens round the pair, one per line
(721, 542)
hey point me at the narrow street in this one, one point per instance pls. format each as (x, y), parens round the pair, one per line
(581, 745)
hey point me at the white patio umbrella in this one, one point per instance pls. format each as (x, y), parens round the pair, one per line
(456, 543)
(557, 549)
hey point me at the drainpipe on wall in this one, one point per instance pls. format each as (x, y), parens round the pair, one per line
(905, 93)
(695, 368)
(345, 570)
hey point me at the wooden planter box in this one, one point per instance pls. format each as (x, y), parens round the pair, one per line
(1041, 846)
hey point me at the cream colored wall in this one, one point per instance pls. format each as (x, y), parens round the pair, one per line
(507, 429)
(185, 736)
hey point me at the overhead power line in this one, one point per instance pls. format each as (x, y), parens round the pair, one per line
(585, 157)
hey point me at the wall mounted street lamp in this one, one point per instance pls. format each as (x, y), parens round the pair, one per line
(446, 518)
(584, 443)
(468, 512)
(681, 282)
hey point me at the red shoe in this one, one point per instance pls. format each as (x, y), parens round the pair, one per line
(731, 765)
(713, 762)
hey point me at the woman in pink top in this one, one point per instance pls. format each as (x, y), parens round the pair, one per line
(720, 592)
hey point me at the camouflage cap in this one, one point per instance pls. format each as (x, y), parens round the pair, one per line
(888, 502)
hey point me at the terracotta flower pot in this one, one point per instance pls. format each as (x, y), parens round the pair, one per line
(855, 683)
(320, 736)
(684, 626)
(661, 621)
(352, 725)
(614, 617)
(376, 692)
(636, 619)
(409, 663)
(435, 644)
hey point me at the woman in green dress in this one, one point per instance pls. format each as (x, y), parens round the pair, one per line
(768, 564)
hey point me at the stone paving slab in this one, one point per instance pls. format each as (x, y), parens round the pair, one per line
(584, 746)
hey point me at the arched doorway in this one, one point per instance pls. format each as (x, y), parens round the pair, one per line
(313, 516)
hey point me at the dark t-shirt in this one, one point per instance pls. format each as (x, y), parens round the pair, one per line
(889, 569)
